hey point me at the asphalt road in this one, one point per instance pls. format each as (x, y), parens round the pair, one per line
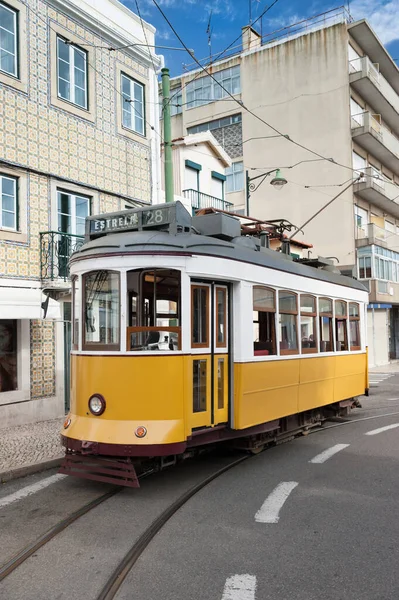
(316, 518)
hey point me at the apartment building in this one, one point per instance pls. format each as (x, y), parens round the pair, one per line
(329, 85)
(79, 135)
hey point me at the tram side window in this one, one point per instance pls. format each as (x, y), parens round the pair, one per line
(288, 315)
(101, 330)
(354, 326)
(75, 312)
(341, 332)
(326, 327)
(264, 321)
(200, 316)
(153, 310)
(308, 324)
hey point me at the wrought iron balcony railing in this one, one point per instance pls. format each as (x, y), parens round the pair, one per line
(55, 250)
(200, 200)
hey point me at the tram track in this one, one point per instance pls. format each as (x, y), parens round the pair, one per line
(116, 579)
(31, 548)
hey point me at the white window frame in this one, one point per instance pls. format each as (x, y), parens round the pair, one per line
(132, 104)
(15, 211)
(72, 216)
(72, 48)
(15, 33)
(231, 177)
(207, 84)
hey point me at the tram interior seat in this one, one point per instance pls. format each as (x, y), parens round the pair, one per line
(263, 348)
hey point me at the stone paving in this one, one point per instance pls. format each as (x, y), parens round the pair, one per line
(30, 444)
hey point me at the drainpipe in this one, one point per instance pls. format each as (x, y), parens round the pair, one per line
(167, 136)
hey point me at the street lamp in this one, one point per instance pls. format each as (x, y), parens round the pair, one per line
(278, 182)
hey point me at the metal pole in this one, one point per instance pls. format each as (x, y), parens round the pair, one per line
(247, 196)
(167, 136)
(324, 207)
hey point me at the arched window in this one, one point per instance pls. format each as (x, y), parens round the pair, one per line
(264, 321)
(288, 311)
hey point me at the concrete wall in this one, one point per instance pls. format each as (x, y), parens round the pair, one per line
(302, 88)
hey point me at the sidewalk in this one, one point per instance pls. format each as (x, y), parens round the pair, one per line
(392, 367)
(30, 448)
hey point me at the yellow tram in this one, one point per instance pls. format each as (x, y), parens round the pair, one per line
(186, 332)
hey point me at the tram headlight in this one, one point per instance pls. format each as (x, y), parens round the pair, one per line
(96, 404)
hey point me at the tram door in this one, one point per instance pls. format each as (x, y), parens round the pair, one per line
(210, 355)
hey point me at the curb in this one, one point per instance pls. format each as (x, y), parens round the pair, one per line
(29, 469)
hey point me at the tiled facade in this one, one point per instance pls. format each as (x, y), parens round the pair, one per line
(49, 144)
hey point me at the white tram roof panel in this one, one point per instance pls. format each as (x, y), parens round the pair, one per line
(172, 230)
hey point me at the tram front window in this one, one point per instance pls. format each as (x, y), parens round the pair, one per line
(101, 310)
(154, 310)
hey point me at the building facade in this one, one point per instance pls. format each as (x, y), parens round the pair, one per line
(79, 135)
(327, 96)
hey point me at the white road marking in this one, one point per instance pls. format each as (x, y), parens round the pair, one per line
(29, 490)
(268, 512)
(381, 429)
(240, 587)
(323, 456)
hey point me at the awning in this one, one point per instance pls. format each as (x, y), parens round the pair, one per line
(26, 303)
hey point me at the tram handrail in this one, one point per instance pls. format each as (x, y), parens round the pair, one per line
(130, 330)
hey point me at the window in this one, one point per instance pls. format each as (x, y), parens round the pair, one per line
(200, 316)
(354, 326)
(264, 321)
(359, 164)
(221, 317)
(364, 267)
(361, 218)
(8, 40)
(8, 203)
(308, 324)
(357, 114)
(217, 124)
(153, 310)
(326, 330)
(341, 335)
(101, 310)
(288, 311)
(176, 103)
(72, 73)
(199, 385)
(8, 355)
(235, 177)
(75, 312)
(355, 61)
(72, 212)
(132, 105)
(204, 90)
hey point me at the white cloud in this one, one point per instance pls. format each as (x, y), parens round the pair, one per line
(382, 16)
(164, 35)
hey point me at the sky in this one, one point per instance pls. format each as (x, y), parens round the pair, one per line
(190, 19)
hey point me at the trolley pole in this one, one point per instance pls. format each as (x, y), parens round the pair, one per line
(167, 136)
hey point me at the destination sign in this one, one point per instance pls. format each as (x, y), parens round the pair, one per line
(136, 219)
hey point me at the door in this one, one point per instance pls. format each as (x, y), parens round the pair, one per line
(67, 354)
(210, 323)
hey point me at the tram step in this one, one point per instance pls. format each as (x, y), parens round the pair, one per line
(107, 470)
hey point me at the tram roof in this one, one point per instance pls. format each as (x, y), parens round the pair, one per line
(239, 249)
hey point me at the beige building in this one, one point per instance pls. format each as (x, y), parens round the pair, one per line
(330, 85)
(79, 135)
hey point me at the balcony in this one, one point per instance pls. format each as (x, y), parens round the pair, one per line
(368, 132)
(200, 200)
(379, 192)
(365, 78)
(56, 249)
(372, 234)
